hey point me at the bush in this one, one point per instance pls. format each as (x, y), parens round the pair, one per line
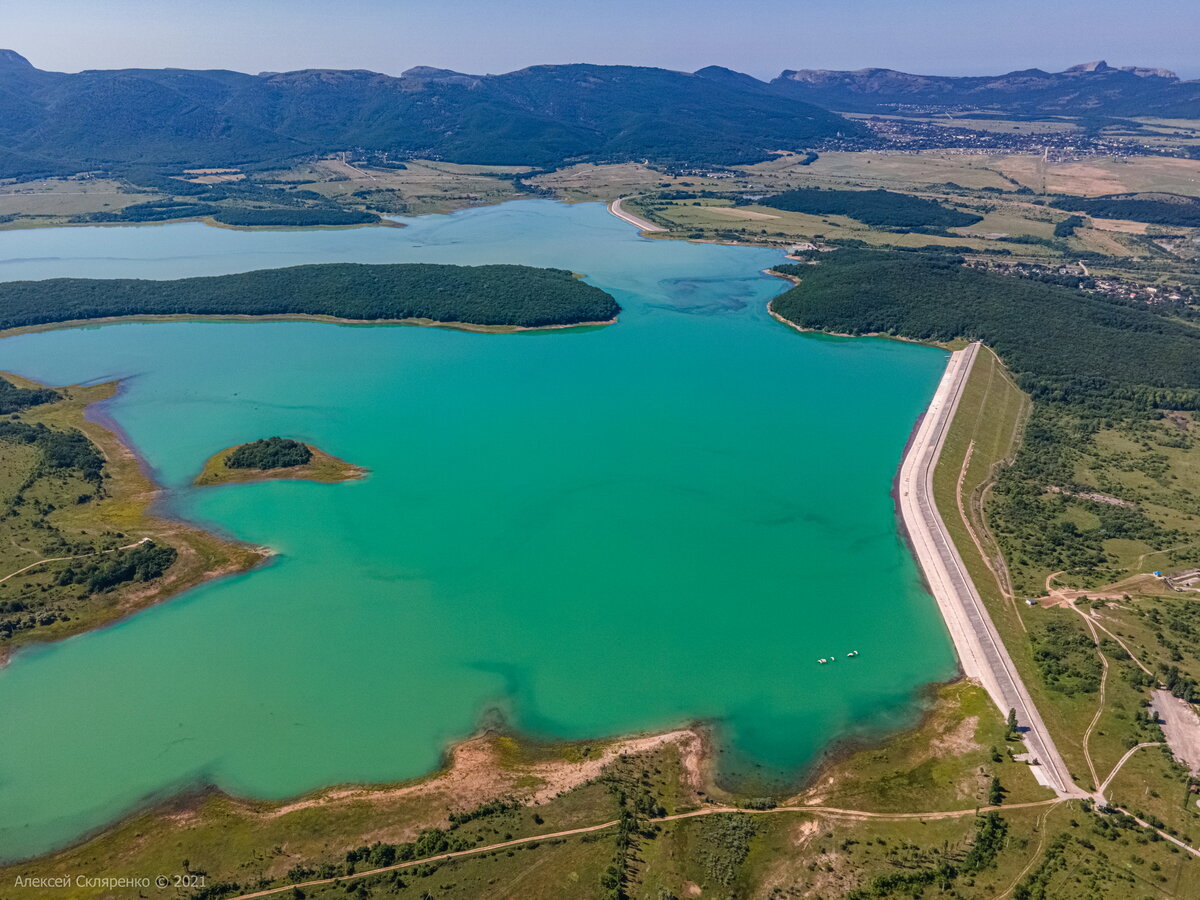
(271, 453)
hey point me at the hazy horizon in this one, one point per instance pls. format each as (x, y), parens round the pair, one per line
(761, 39)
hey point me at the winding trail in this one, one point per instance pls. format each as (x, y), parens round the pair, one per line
(42, 562)
(589, 829)
(1092, 621)
(1087, 735)
(966, 520)
(1124, 759)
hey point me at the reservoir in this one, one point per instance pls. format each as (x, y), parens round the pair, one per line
(585, 533)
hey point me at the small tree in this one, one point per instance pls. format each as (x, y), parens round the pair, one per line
(1012, 725)
(995, 792)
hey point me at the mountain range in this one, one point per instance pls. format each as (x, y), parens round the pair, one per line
(541, 116)
(53, 122)
(1091, 89)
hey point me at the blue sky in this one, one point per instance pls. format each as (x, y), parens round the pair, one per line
(761, 37)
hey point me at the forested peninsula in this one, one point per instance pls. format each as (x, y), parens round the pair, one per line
(490, 295)
(1063, 344)
(1095, 367)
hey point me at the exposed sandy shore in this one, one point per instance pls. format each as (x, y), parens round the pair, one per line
(333, 320)
(475, 774)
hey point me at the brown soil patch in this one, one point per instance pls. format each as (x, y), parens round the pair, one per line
(477, 774)
(1124, 226)
(959, 741)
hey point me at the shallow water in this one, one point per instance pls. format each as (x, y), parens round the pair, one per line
(594, 532)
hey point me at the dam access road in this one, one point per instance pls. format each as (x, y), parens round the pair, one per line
(626, 216)
(981, 653)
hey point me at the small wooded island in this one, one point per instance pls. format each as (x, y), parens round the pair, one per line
(275, 457)
(489, 297)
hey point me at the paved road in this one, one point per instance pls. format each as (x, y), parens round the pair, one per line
(980, 651)
(616, 210)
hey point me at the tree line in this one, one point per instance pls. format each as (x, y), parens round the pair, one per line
(104, 572)
(1156, 209)
(481, 295)
(14, 399)
(878, 208)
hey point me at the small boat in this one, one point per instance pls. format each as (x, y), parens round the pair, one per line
(852, 653)
(822, 661)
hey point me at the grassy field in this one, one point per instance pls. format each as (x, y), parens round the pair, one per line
(421, 188)
(322, 467)
(946, 764)
(1152, 465)
(719, 219)
(52, 201)
(46, 511)
(1104, 175)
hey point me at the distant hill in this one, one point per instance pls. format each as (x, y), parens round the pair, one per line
(1091, 89)
(544, 115)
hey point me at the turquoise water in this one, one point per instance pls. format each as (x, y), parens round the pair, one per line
(594, 532)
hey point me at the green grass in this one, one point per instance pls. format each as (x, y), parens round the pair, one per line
(1151, 783)
(52, 523)
(717, 218)
(946, 764)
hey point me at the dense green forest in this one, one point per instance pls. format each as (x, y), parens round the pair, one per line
(14, 399)
(882, 209)
(270, 453)
(1084, 359)
(292, 218)
(1063, 344)
(1157, 209)
(481, 295)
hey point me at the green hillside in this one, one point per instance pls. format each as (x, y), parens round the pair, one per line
(544, 115)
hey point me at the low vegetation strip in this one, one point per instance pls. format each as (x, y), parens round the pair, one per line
(879, 208)
(490, 295)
